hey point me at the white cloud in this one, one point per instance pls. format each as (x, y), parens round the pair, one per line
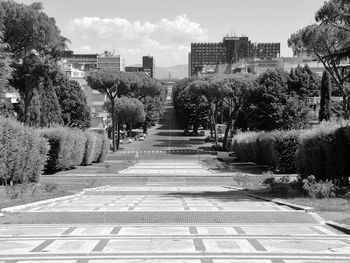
(84, 49)
(167, 40)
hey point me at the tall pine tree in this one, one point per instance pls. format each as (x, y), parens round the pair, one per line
(325, 107)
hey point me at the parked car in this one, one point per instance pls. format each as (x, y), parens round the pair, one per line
(141, 138)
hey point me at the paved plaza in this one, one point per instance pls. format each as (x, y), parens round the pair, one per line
(165, 208)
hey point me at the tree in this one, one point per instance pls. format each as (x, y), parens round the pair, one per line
(5, 64)
(236, 88)
(329, 42)
(27, 29)
(325, 107)
(27, 77)
(50, 110)
(127, 111)
(335, 13)
(5, 73)
(72, 100)
(112, 83)
(212, 94)
(189, 109)
(35, 44)
(303, 82)
(270, 106)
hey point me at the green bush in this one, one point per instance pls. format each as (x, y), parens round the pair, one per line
(320, 189)
(90, 148)
(323, 152)
(96, 148)
(104, 149)
(265, 149)
(67, 148)
(286, 145)
(22, 152)
(244, 146)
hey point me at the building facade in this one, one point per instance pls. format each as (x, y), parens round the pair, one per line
(133, 69)
(265, 51)
(110, 61)
(231, 50)
(84, 62)
(148, 65)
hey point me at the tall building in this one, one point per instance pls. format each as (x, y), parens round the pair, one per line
(84, 62)
(108, 60)
(231, 50)
(265, 51)
(148, 65)
(133, 69)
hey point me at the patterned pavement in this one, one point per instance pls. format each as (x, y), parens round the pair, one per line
(167, 222)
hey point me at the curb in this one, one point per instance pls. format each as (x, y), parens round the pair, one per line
(276, 200)
(341, 227)
(13, 209)
(95, 188)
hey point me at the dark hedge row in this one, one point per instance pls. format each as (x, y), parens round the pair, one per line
(323, 151)
(25, 152)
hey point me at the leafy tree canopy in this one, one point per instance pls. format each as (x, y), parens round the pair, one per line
(28, 29)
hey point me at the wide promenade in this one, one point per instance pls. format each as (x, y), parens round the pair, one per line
(166, 207)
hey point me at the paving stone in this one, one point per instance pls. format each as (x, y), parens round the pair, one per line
(165, 217)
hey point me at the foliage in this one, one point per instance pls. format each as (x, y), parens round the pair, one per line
(286, 145)
(27, 29)
(50, 110)
(320, 189)
(114, 84)
(325, 107)
(189, 109)
(104, 149)
(5, 64)
(72, 100)
(96, 148)
(67, 148)
(92, 147)
(22, 152)
(35, 44)
(329, 42)
(49, 187)
(270, 106)
(129, 110)
(303, 82)
(324, 153)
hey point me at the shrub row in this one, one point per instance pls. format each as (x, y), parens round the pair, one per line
(23, 152)
(276, 149)
(72, 147)
(323, 151)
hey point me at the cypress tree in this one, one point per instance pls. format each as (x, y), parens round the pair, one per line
(325, 107)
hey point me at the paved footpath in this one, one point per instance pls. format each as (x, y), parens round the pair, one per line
(167, 221)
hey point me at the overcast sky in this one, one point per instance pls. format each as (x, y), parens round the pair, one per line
(166, 28)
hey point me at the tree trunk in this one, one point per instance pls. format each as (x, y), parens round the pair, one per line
(345, 106)
(113, 125)
(215, 133)
(118, 136)
(227, 130)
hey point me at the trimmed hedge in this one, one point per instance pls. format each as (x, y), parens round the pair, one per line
(96, 148)
(67, 147)
(104, 149)
(323, 151)
(22, 152)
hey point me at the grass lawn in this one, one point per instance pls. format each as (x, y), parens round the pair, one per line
(12, 196)
(331, 209)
